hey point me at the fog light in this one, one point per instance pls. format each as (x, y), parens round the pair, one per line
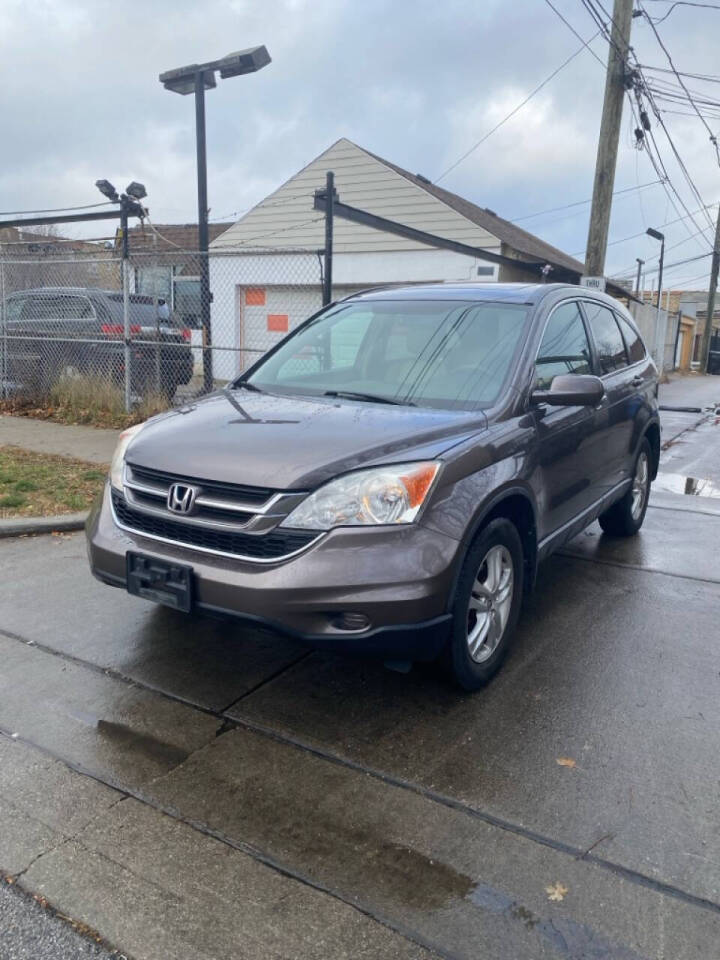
(351, 621)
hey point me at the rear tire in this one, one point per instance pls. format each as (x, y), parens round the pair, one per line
(487, 605)
(625, 517)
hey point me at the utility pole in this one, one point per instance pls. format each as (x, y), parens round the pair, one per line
(609, 138)
(707, 332)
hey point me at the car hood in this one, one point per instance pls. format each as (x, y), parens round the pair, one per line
(292, 442)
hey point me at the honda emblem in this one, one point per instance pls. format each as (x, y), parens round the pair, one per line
(181, 498)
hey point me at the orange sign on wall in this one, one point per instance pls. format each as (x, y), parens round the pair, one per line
(277, 322)
(255, 297)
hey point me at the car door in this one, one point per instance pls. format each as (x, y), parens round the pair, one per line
(616, 415)
(566, 442)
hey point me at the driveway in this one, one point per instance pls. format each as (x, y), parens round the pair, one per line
(191, 788)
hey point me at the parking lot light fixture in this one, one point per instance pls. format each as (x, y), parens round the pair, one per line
(656, 235)
(136, 190)
(197, 78)
(108, 190)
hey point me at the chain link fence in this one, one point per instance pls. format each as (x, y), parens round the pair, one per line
(70, 325)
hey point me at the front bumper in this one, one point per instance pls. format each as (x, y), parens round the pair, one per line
(399, 578)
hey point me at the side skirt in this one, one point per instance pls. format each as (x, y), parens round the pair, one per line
(572, 528)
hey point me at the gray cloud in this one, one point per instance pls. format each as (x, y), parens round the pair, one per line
(417, 82)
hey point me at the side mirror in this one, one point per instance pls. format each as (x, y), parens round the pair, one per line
(571, 390)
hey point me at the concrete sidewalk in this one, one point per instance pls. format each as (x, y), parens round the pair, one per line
(43, 436)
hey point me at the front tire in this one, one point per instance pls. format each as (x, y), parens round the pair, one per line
(487, 605)
(625, 517)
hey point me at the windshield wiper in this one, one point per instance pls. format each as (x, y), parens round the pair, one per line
(372, 397)
(247, 385)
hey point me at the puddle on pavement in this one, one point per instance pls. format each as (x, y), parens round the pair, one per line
(692, 486)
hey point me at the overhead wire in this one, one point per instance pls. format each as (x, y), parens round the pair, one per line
(581, 203)
(515, 110)
(84, 206)
(713, 138)
(593, 7)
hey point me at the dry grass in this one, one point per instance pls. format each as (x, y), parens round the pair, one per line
(40, 485)
(93, 401)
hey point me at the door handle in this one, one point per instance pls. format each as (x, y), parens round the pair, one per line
(637, 381)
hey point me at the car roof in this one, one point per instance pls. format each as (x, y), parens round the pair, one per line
(53, 291)
(527, 293)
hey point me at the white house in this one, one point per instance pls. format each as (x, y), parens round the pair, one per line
(265, 270)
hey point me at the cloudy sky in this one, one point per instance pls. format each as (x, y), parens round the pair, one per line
(416, 81)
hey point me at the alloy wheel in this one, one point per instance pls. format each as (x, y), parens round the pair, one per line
(490, 603)
(640, 486)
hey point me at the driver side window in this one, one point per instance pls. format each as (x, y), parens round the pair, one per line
(564, 348)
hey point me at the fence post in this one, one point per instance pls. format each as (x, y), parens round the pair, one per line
(329, 203)
(3, 325)
(157, 317)
(126, 301)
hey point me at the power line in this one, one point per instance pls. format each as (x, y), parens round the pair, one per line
(85, 206)
(581, 203)
(670, 266)
(657, 164)
(685, 3)
(642, 85)
(713, 138)
(706, 77)
(634, 236)
(514, 111)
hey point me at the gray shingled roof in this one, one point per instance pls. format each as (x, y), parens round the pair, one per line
(507, 232)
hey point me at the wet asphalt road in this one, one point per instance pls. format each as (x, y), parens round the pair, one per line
(189, 788)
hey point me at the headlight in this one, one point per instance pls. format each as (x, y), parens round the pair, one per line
(383, 495)
(118, 460)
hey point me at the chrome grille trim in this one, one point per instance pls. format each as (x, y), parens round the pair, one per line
(255, 518)
(216, 553)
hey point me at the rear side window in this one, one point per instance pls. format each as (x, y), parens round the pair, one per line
(56, 308)
(608, 340)
(635, 346)
(564, 347)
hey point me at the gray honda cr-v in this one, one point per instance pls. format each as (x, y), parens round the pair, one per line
(386, 479)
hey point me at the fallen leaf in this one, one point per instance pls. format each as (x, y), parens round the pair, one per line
(556, 892)
(565, 761)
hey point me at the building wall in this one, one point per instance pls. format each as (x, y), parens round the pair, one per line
(286, 218)
(289, 285)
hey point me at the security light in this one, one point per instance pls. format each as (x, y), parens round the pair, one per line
(136, 190)
(197, 78)
(107, 190)
(244, 61)
(182, 80)
(655, 234)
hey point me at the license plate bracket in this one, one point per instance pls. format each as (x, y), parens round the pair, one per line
(160, 580)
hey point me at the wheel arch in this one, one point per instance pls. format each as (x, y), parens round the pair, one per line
(652, 434)
(517, 505)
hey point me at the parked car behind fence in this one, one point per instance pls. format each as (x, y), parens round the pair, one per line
(50, 332)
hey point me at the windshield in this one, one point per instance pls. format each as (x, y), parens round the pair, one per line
(431, 353)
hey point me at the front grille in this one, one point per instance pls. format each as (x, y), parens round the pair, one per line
(263, 547)
(211, 488)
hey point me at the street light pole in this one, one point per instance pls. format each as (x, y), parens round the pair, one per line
(196, 78)
(659, 347)
(640, 264)
(203, 238)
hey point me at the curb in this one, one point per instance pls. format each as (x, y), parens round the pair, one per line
(25, 526)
